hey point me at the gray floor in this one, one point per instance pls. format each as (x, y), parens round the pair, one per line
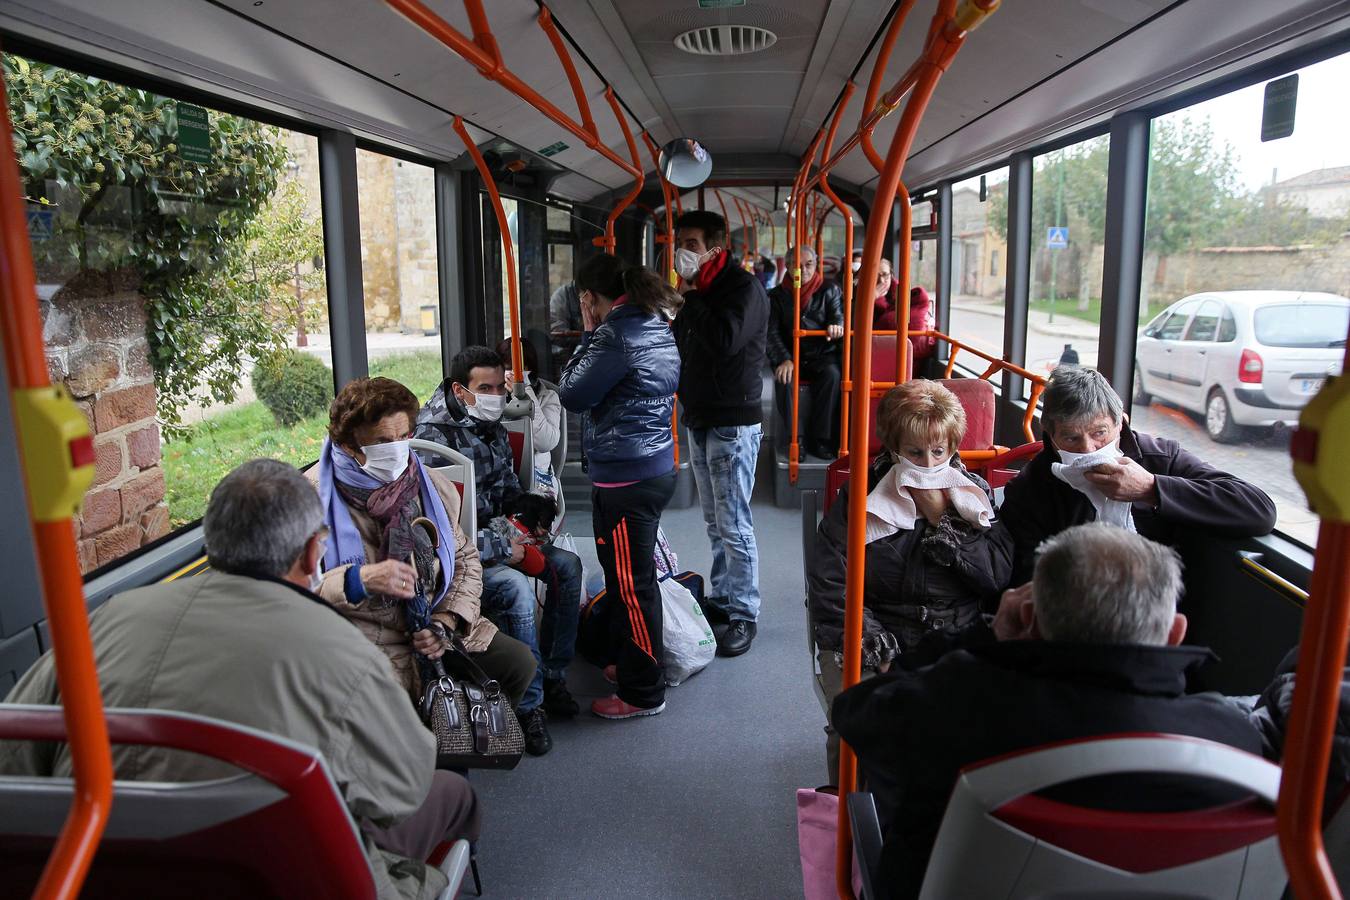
(696, 802)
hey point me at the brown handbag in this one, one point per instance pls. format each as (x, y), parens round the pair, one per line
(470, 715)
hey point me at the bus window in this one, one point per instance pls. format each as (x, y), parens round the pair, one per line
(179, 253)
(1068, 234)
(979, 246)
(1260, 228)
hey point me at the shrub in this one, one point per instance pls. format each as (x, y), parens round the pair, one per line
(293, 385)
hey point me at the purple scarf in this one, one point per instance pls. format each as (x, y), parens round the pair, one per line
(344, 543)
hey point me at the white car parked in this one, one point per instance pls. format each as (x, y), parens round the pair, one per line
(1242, 358)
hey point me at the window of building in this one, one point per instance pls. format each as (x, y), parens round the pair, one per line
(979, 240)
(1262, 230)
(400, 273)
(179, 262)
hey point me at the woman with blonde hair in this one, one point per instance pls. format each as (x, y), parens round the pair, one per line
(935, 553)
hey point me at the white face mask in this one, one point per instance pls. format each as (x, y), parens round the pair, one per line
(687, 263)
(902, 460)
(857, 265)
(315, 581)
(487, 407)
(386, 462)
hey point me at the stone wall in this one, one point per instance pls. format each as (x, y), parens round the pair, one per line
(418, 278)
(94, 332)
(1299, 268)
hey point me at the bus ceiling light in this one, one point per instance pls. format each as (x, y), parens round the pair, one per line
(685, 163)
(1250, 367)
(725, 40)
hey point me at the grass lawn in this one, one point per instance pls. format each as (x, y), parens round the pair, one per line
(1068, 306)
(194, 463)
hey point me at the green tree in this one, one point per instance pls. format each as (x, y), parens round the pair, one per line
(104, 160)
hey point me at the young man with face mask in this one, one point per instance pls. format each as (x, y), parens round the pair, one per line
(1094, 467)
(721, 332)
(465, 414)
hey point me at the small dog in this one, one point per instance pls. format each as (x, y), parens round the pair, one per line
(535, 514)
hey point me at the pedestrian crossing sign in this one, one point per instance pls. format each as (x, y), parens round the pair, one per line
(1057, 237)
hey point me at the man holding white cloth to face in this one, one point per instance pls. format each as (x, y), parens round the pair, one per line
(1094, 467)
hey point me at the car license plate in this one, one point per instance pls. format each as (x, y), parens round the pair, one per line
(1310, 385)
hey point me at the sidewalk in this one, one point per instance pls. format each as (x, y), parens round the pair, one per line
(1039, 322)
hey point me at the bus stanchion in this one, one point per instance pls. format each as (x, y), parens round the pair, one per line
(57, 454)
(1318, 448)
(669, 238)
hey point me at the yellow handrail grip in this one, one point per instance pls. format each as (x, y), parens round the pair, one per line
(1320, 469)
(971, 14)
(52, 431)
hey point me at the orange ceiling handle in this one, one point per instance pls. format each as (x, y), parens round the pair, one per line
(482, 53)
(878, 73)
(564, 57)
(609, 242)
(57, 455)
(512, 294)
(665, 195)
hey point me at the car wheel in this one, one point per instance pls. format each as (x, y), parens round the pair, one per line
(1141, 396)
(1219, 419)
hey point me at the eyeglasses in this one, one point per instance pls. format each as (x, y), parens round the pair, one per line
(883, 277)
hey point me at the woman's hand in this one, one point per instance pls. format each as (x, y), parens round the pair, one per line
(391, 578)
(428, 643)
(931, 504)
(589, 322)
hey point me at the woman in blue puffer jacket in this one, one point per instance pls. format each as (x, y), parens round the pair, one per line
(622, 380)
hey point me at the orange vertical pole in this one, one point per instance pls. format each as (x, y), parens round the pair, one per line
(45, 416)
(725, 217)
(512, 295)
(608, 241)
(902, 285)
(797, 223)
(666, 195)
(845, 274)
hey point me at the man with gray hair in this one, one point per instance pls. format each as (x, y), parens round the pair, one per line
(249, 643)
(1090, 647)
(822, 309)
(1094, 467)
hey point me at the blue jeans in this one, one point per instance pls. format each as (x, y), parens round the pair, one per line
(509, 600)
(724, 460)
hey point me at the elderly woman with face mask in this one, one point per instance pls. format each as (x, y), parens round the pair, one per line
(935, 553)
(395, 535)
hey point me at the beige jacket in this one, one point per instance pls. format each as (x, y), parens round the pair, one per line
(267, 655)
(385, 624)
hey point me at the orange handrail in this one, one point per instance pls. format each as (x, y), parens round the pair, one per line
(900, 277)
(482, 53)
(669, 240)
(608, 242)
(725, 218)
(513, 298)
(845, 262)
(878, 73)
(564, 57)
(1318, 449)
(796, 236)
(58, 561)
(946, 35)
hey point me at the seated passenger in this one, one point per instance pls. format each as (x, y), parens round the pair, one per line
(934, 552)
(248, 643)
(545, 420)
(883, 299)
(1271, 718)
(394, 533)
(465, 414)
(1095, 467)
(822, 307)
(1101, 656)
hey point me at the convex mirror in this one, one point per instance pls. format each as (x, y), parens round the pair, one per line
(685, 163)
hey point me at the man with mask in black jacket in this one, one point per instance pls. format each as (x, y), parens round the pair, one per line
(721, 332)
(822, 309)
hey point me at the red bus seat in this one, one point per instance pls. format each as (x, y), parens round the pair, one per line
(977, 398)
(278, 829)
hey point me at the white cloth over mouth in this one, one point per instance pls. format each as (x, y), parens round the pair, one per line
(891, 508)
(1073, 472)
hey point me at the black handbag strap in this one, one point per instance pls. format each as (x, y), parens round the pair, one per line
(470, 665)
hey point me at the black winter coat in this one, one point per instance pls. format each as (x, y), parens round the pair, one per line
(826, 307)
(1192, 495)
(622, 378)
(721, 332)
(929, 578)
(1271, 718)
(914, 731)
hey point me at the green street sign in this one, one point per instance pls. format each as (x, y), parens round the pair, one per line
(194, 134)
(553, 149)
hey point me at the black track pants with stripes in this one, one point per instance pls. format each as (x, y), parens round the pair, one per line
(625, 521)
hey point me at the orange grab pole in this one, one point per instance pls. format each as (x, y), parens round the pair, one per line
(878, 73)
(608, 241)
(725, 218)
(1318, 450)
(483, 54)
(845, 274)
(902, 284)
(512, 297)
(58, 562)
(665, 194)
(564, 57)
(945, 40)
(798, 234)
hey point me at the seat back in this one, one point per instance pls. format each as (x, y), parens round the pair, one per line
(558, 457)
(278, 829)
(977, 399)
(883, 370)
(459, 469)
(522, 450)
(1029, 846)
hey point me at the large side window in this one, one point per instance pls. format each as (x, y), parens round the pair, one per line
(179, 260)
(399, 270)
(1261, 228)
(979, 244)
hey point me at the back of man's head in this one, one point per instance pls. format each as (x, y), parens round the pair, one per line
(1099, 584)
(259, 518)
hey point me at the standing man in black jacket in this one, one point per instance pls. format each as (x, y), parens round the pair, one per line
(822, 309)
(721, 333)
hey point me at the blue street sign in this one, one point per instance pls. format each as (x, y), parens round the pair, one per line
(39, 224)
(1057, 237)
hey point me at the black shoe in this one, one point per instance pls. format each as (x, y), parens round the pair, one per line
(535, 725)
(737, 638)
(558, 700)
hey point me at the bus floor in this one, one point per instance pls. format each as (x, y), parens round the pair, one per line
(698, 802)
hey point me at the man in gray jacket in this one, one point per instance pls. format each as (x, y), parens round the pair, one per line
(249, 643)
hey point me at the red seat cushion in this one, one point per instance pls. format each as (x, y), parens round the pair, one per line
(517, 439)
(977, 397)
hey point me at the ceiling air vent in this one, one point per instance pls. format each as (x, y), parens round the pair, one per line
(726, 40)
